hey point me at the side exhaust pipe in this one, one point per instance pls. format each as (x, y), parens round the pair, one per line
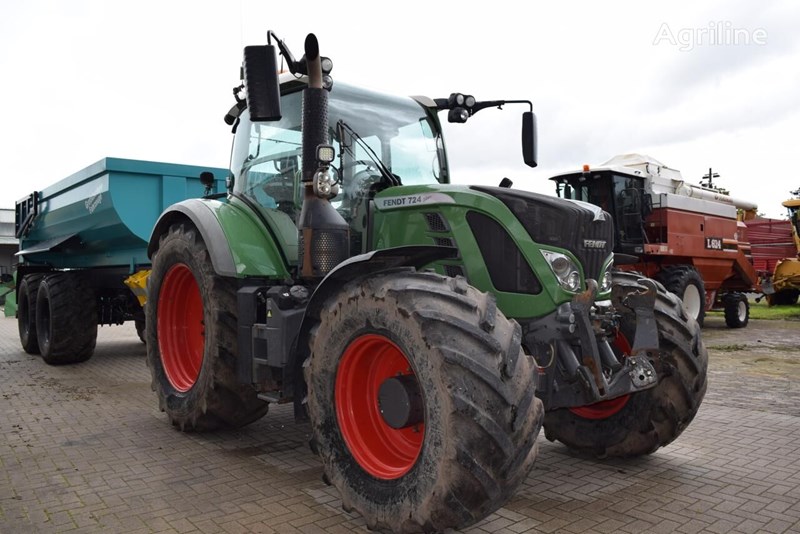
(324, 236)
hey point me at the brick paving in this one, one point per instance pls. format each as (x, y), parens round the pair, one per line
(83, 448)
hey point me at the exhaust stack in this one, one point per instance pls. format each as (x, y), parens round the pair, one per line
(324, 236)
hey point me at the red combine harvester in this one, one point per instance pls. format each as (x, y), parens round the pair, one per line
(686, 236)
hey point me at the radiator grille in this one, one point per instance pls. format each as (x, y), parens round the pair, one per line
(561, 223)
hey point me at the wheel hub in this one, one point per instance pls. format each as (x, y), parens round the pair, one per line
(400, 402)
(379, 408)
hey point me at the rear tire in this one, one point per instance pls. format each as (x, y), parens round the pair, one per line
(654, 417)
(475, 443)
(66, 319)
(192, 338)
(784, 297)
(737, 310)
(685, 282)
(26, 312)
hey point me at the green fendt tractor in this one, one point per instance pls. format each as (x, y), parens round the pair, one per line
(426, 330)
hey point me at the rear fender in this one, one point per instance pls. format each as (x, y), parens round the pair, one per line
(364, 264)
(237, 244)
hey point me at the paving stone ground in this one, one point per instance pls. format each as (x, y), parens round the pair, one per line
(83, 448)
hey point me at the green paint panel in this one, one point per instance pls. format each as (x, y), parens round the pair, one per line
(255, 251)
(401, 220)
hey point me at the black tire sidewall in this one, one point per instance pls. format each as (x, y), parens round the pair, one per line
(177, 248)
(26, 314)
(44, 336)
(731, 303)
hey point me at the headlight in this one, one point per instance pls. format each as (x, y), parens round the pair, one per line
(566, 271)
(605, 286)
(606, 281)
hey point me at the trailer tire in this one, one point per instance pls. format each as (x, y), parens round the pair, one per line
(26, 312)
(140, 329)
(191, 341)
(472, 442)
(654, 417)
(737, 310)
(685, 282)
(66, 318)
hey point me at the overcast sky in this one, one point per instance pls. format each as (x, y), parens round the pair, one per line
(704, 84)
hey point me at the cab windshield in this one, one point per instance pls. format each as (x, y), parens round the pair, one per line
(267, 157)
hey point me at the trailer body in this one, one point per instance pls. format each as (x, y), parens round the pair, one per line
(86, 235)
(102, 215)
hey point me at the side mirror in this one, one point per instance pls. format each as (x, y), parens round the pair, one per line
(261, 83)
(529, 148)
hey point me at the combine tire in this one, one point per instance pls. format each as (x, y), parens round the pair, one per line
(26, 312)
(66, 319)
(422, 402)
(737, 310)
(642, 422)
(192, 338)
(686, 282)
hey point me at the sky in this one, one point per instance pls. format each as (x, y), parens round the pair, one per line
(706, 84)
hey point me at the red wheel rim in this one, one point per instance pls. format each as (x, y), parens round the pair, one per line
(605, 409)
(382, 451)
(181, 331)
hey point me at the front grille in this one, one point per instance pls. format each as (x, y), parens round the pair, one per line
(507, 267)
(561, 223)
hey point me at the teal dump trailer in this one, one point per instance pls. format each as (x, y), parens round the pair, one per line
(83, 249)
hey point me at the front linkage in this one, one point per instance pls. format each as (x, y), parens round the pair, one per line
(573, 348)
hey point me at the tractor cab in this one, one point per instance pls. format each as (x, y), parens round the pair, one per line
(379, 140)
(621, 195)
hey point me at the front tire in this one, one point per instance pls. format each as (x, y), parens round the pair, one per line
(651, 418)
(66, 318)
(469, 437)
(191, 338)
(472, 441)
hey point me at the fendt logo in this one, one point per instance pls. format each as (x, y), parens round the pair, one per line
(594, 243)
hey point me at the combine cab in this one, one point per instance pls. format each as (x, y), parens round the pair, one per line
(685, 236)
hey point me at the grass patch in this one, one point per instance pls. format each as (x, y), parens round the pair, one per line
(760, 310)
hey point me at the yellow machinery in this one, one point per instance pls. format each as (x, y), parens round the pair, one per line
(786, 277)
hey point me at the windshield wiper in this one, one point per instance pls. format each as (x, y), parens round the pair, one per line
(388, 175)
